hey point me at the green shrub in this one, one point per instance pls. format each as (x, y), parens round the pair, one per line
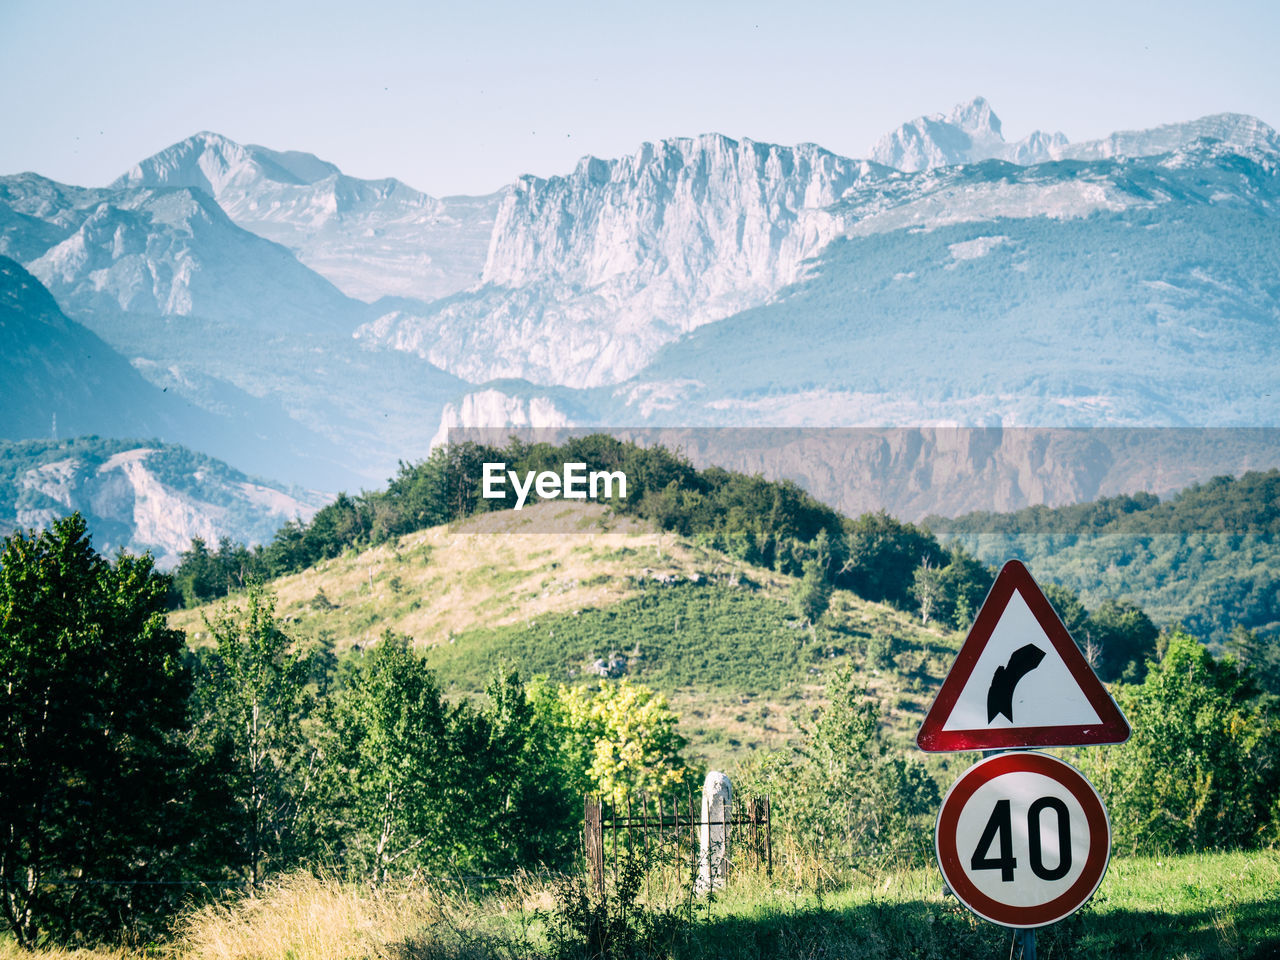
(1202, 769)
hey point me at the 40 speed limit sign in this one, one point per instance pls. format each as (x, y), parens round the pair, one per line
(1023, 839)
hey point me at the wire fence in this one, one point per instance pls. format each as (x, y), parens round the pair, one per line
(665, 836)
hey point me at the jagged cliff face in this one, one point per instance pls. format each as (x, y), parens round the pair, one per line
(588, 274)
(705, 215)
(370, 238)
(992, 294)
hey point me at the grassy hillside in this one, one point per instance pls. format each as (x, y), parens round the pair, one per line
(719, 636)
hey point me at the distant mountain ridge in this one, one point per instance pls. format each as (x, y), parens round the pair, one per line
(173, 252)
(232, 322)
(590, 274)
(972, 133)
(697, 281)
(370, 238)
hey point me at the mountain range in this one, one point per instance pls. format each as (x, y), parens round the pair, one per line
(325, 327)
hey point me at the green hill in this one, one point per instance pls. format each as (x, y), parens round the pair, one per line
(720, 636)
(1207, 558)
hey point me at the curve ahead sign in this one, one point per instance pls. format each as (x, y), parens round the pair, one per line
(1023, 839)
(1020, 681)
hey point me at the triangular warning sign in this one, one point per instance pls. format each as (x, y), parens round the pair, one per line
(1020, 680)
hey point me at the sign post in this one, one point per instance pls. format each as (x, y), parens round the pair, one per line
(1022, 838)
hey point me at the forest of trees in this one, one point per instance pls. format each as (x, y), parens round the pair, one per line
(1205, 557)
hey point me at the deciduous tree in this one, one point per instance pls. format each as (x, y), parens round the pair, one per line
(253, 703)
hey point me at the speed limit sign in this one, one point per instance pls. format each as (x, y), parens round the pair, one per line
(1023, 839)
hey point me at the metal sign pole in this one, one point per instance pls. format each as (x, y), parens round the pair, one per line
(1025, 937)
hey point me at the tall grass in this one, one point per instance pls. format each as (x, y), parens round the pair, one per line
(9, 950)
(303, 917)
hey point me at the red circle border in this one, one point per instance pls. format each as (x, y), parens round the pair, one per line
(983, 772)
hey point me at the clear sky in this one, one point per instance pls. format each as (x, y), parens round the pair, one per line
(462, 97)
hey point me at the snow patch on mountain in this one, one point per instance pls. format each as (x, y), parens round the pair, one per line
(977, 247)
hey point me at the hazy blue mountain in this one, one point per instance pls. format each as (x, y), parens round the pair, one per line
(1163, 313)
(51, 366)
(371, 238)
(151, 494)
(233, 323)
(173, 253)
(37, 213)
(703, 280)
(1123, 292)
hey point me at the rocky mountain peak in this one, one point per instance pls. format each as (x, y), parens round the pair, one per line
(206, 161)
(976, 117)
(969, 133)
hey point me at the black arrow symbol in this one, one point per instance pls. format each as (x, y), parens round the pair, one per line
(1000, 697)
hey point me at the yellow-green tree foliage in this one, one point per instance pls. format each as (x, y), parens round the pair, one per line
(624, 734)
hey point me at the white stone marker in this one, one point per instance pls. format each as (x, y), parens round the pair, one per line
(713, 835)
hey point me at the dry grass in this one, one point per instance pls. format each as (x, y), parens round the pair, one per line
(1219, 905)
(301, 917)
(437, 583)
(11, 951)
